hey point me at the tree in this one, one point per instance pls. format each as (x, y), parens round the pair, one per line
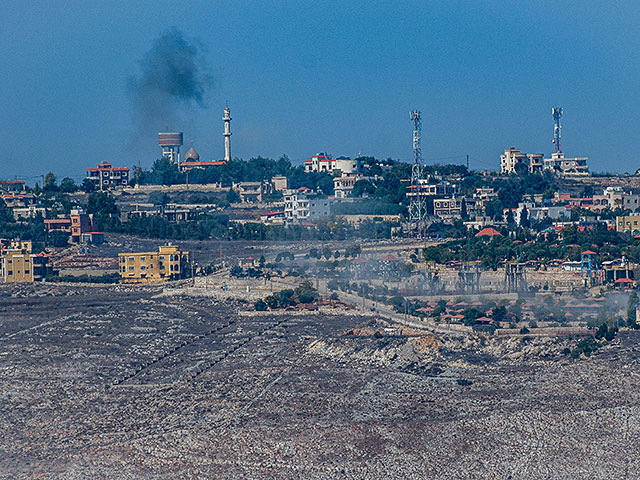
(68, 185)
(272, 301)
(286, 297)
(498, 313)
(233, 196)
(103, 207)
(260, 305)
(524, 218)
(49, 184)
(5, 213)
(306, 293)
(87, 186)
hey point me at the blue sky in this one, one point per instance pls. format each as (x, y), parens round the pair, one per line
(308, 76)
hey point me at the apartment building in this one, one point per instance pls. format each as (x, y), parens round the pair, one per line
(562, 165)
(168, 263)
(448, 208)
(512, 158)
(105, 177)
(628, 223)
(303, 205)
(19, 264)
(323, 163)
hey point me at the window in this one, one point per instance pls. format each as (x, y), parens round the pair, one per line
(143, 258)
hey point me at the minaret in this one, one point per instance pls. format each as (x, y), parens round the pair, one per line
(227, 135)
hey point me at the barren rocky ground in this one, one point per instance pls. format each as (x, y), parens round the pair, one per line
(120, 382)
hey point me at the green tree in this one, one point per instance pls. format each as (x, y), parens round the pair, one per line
(49, 184)
(87, 186)
(68, 185)
(498, 313)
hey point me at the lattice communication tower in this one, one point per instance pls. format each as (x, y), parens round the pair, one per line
(418, 203)
(557, 128)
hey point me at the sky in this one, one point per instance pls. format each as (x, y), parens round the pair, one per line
(301, 77)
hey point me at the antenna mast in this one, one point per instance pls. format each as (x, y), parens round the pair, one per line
(418, 203)
(557, 128)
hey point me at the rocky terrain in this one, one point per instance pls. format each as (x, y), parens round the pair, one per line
(120, 382)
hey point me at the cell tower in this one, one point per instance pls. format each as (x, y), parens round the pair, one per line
(418, 203)
(557, 128)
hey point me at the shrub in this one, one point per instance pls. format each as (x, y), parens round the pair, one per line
(260, 305)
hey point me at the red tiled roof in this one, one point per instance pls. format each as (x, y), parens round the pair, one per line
(389, 258)
(624, 280)
(589, 252)
(488, 232)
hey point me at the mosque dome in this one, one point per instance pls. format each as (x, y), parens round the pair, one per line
(191, 156)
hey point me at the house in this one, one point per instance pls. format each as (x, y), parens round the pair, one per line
(251, 192)
(76, 225)
(343, 185)
(19, 264)
(448, 208)
(561, 165)
(303, 204)
(168, 263)
(105, 176)
(512, 160)
(321, 162)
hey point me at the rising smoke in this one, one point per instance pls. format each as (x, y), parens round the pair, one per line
(174, 78)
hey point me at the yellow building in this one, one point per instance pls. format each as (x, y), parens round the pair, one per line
(628, 223)
(168, 263)
(18, 264)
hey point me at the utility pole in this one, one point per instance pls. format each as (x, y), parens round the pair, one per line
(193, 277)
(467, 162)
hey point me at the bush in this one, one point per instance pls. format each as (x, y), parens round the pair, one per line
(586, 346)
(260, 305)
(272, 301)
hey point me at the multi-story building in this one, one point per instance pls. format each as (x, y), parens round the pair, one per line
(343, 185)
(513, 157)
(79, 226)
(303, 205)
(628, 223)
(322, 163)
(279, 183)
(105, 177)
(252, 191)
(561, 165)
(477, 204)
(536, 213)
(12, 186)
(19, 264)
(448, 208)
(168, 263)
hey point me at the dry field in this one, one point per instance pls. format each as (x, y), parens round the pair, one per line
(118, 382)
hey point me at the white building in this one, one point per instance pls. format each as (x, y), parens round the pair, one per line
(536, 213)
(566, 166)
(512, 157)
(303, 205)
(322, 163)
(343, 185)
(448, 208)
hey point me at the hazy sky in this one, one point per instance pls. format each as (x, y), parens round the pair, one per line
(308, 76)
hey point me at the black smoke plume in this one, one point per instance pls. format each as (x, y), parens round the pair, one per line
(174, 77)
